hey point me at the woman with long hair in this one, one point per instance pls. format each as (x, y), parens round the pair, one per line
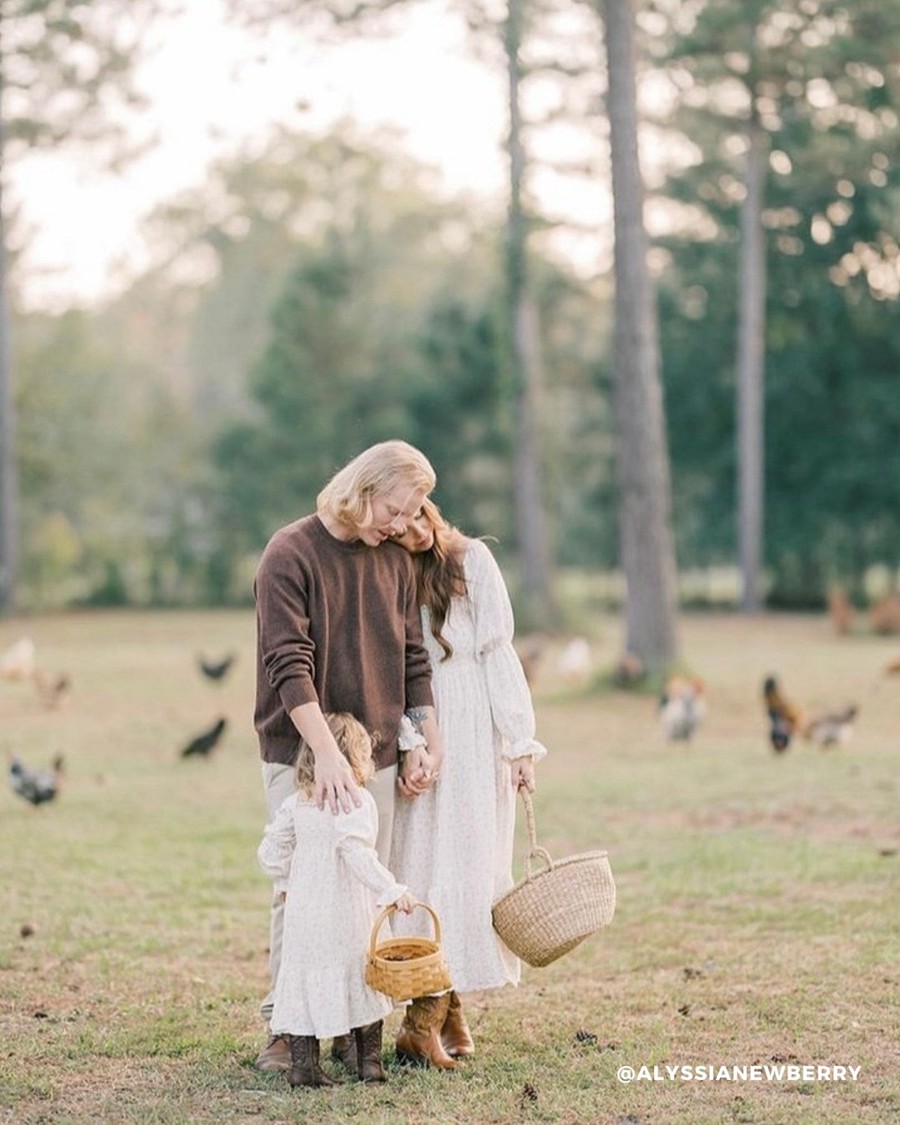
(453, 844)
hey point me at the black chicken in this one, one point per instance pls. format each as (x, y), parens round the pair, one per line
(203, 743)
(216, 669)
(35, 786)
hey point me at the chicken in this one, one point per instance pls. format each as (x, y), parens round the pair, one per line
(203, 743)
(840, 610)
(36, 786)
(629, 671)
(884, 616)
(785, 720)
(824, 728)
(531, 650)
(575, 661)
(681, 707)
(831, 728)
(18, 662)
(52, 691)
(216, 669)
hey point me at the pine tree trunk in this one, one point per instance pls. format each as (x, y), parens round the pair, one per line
(8, 474)
(525, 361)
(646, 546)
(751, 373)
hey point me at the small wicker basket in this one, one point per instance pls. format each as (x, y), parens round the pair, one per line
(406, 967)
(551, 910)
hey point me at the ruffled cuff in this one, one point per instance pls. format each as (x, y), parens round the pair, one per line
(524, 748)
(409, 737)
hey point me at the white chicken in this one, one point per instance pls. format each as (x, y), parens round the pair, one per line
(681, 707)
(18, 662)
(833, 728)
(574, 661)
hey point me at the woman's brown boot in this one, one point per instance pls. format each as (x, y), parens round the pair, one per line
(368, 1052)
(343, 1051)
(419, 1038)
(305, 1069)
(455, 1034)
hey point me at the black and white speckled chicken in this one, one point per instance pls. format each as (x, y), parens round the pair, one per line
(35, 786)
(831, 728)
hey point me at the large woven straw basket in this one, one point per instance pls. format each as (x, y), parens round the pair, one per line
(554, 908)
(406, 967)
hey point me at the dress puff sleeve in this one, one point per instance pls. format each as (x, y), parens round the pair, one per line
(276, 850)
(510, 696)
(356, 833)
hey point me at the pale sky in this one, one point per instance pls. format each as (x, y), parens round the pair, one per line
(209, 91)
(449, 109)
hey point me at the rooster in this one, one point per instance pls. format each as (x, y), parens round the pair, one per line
(216, 669)
(35, 786)
(681, 707)
(785, 720)
(203, 743)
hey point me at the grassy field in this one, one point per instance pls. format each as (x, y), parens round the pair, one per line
(758, 919)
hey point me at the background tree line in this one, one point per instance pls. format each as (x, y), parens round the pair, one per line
(319, 293)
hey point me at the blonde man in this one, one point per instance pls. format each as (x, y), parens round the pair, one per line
(338, 629)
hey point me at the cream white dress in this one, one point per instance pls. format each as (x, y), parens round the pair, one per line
(453, 845)
(334, 881)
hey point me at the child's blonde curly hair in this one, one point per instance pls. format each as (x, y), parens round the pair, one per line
(354, 742)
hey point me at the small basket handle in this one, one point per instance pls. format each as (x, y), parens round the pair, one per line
(534, 850)
(392, 909)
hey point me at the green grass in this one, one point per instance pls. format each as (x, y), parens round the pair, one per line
(758, 896)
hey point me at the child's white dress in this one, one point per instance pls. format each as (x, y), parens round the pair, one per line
(327, 864)
(453, 845)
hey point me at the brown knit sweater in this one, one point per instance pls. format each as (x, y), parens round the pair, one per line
(336, 623)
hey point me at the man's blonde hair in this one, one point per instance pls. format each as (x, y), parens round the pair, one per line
(354, 742)
(348, 495)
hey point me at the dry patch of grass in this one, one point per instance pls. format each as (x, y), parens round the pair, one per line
(758, 914)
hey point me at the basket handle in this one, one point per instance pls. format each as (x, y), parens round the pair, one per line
(534, 849)
(392, 909)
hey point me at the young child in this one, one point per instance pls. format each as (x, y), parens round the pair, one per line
(326, 865)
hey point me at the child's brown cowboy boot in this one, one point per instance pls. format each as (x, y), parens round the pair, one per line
(368, 1052)
(305, 1069)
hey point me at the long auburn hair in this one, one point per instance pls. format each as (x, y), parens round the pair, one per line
(439, 573)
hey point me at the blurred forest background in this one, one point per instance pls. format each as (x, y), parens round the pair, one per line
(318, 292)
